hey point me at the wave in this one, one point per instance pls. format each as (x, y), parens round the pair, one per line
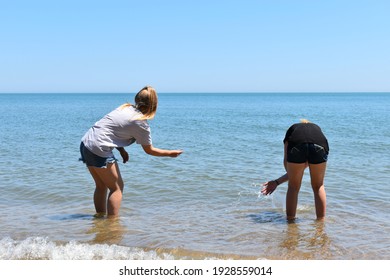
(41, 248)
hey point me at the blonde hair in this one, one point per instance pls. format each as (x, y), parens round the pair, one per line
(305, 121)
(146, 102)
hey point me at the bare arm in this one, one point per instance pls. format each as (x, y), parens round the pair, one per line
(270, 186)
(124, 154)
(150, 150)
(285, 156)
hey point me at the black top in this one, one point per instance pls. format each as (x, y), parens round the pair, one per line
(300, 133)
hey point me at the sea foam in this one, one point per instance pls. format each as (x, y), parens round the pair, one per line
(41, 248)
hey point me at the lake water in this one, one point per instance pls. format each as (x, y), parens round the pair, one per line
(205, 204)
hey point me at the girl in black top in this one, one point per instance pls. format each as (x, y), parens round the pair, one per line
(304, 145)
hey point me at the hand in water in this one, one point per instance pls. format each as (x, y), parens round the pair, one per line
(269, 187)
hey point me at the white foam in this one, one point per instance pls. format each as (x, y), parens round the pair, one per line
(35, 248)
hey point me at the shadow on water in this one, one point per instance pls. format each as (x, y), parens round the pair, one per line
(268, 217)
(66, 217)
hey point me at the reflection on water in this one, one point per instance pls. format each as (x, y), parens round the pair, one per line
(312, 242)
(107, 230)
(299, 239)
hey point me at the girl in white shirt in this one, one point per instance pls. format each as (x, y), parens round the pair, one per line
(122, 127)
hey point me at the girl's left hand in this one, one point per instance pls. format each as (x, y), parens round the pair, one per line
(125, 155)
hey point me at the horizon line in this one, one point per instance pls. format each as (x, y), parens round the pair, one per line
(204, 92)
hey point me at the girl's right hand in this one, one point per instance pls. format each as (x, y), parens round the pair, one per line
(153, 151)
(269, 187)
(175, 153)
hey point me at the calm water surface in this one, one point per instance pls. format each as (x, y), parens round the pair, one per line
(206, 204)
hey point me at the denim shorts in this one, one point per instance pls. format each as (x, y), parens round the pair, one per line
(307, 152)
(90, 159)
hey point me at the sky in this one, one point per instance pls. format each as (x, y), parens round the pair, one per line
(118, 46)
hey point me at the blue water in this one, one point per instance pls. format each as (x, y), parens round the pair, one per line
(205, 204)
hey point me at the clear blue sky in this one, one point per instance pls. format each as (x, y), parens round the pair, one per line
(194, 46)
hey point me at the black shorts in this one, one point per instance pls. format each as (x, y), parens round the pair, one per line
(307, 152)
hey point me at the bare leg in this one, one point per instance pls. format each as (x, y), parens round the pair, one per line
(295, 174)
(100, 194)
(317, 174)
(111, 178)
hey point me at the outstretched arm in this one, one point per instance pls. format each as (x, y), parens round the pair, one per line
(150, 150)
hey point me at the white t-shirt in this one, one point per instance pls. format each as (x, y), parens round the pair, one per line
(119, 128)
